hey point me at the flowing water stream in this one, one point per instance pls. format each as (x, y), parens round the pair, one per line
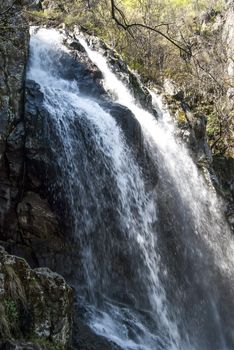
(158, 262)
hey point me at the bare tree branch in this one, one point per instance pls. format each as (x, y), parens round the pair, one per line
(186, 49)
(127, 26)
(196, 62)
(9, 8)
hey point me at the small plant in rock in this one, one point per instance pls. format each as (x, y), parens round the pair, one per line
(12, 313)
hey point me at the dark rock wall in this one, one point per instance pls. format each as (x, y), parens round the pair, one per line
(36, 305)
(31, 223)
(13, 57)
(28, 227)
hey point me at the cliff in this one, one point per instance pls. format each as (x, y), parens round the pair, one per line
(37, 304)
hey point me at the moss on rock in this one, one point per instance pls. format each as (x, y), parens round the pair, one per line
(36, 305)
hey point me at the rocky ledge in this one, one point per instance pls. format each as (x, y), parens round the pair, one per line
(35, 304)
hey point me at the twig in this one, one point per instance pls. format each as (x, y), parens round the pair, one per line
(8, 9)
(187, 50)
(127, 26)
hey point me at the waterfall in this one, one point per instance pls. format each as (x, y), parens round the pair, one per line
(179, 165)
(155, 262)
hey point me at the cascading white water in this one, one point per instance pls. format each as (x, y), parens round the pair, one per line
(180, 165)
(199, 201)
(65, 105)
(98, 172)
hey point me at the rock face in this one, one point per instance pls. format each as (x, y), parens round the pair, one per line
(51, 240)
(213, 46)
(217, 170)
(120, 68)
(92, 84)
(86, 339)
(36, 305)
(43, 144)
(192, 126)
(13, 58)
(28, 227)
(224, 168)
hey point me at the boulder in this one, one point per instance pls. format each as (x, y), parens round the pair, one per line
(36, 306)
(86, 339)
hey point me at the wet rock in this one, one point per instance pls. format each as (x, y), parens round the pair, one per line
(11, 345)
(192, 128)
(36, 143)
(75, 45)
(179, 95)
(43, 213)
(15, 139)
(118, 66)
(35, 217)
(217, 170)
(133, 134)
(86, 339)
(33, 230)
(224, 168)
(128, 124)
(15, 151)
(43, 239)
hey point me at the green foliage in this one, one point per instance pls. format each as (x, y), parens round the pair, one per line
(4, 326)
(12, 313)
(213, 125)
(14, 285)
(132, 4)
(47, 14)
(219, 5)
(181, 3)
(181, 117)
(154, 57)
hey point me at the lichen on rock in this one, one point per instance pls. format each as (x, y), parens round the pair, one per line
(35, 304)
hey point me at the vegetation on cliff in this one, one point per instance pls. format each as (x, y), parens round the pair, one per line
(186, 41)
(182, 47)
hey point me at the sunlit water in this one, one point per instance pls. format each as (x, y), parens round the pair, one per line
(180, 165)
(117, 181)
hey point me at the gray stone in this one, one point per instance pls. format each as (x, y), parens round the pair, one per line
(35, 304)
